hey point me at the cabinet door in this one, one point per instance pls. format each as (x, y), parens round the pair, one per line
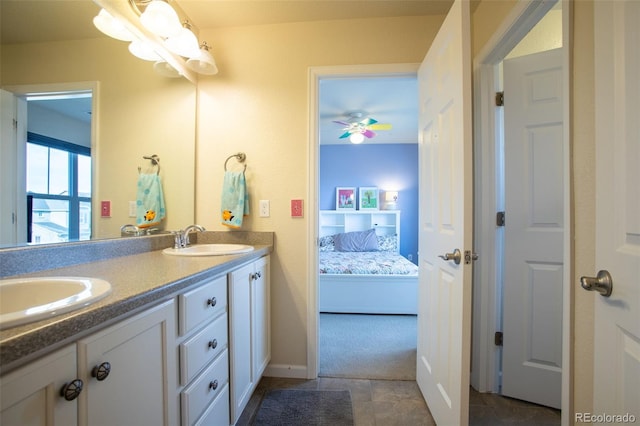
(240, 339)
(140, 388)
(31, 394)
(261, 319)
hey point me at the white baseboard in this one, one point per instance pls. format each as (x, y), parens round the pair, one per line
(288, 371)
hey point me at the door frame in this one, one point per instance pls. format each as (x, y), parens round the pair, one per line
(315, 75)
(485, 356)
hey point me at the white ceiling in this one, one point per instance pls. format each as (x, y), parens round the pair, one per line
(388, 100)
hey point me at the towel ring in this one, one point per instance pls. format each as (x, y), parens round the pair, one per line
(241, 157)
(155, 161)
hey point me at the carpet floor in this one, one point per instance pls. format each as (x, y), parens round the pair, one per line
(362, 346)
(305, 408)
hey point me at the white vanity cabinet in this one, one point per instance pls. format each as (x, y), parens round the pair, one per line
(129, 371)
(249, 330)
(30, 396)
(127, 374)
(204, 354)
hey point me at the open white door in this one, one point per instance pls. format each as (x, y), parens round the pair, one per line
(617, 317)
(534, 228)
(444, 312)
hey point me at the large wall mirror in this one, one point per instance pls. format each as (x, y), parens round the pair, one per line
(51, 46)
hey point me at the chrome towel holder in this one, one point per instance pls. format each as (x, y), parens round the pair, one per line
(240, 156)
(155, 161)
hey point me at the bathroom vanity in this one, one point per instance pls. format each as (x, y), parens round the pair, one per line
(180, 341)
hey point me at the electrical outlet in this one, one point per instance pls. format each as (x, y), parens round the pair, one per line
(132, 209)
(105, 208)
(264, 208)
(296, 208)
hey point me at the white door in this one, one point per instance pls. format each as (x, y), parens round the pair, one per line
(617, 317)
(444, 312)
(534, 228)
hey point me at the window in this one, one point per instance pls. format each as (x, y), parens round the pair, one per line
(58, 190)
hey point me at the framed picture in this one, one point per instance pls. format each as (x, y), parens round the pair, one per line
(345, 198)
(368, 198)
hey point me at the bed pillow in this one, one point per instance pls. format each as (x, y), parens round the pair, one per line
(327, 243)
(388, 243)
(357, 241)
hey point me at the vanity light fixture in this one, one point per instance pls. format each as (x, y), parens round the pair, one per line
(184, 43)
(204, 62)
(161, 19)
(111, 26)
(153, 27)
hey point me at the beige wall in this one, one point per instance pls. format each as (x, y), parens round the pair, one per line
(139, 113)
(259, 104)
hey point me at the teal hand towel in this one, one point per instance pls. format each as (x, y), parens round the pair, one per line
(235, 199)
(150, 208)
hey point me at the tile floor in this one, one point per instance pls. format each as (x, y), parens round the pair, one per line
(391, 403)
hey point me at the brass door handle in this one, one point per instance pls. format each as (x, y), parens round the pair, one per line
(602, 283)
(456, 256)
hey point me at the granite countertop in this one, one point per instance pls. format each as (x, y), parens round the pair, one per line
(138, 281)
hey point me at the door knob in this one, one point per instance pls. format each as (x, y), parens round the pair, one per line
(456, 256)
(602, 283)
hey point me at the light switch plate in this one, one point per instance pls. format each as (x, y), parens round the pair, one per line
(105, 208)
(132, 209)
(296, 208)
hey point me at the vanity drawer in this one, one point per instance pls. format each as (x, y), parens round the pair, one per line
(199, 394)
(202, 348)
(218, 412)
(202, 303)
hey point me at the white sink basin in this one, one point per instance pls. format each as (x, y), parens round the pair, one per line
(209, 250)
(25, 300)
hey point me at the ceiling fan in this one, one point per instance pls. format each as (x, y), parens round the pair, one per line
(357, 128)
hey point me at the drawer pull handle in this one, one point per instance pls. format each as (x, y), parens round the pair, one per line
(212, 302)
(213, 343)
(101, 372)
(213, 385)
(71, 391)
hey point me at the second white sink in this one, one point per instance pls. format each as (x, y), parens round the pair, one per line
(25, 300)
(209, 250)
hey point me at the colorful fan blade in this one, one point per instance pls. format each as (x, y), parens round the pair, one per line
(345, 135)
(380, 126)
(344, 123)
(368, 133)
(368, 121)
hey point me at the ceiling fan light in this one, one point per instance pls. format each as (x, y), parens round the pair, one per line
(184, 44)
(143, 51)
(111, 26)
(160, 18)
(356, 138)
(203, 63)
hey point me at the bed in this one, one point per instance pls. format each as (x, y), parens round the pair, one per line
(362, 272)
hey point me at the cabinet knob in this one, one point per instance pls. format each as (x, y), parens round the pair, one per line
(213, 385)
(212, 302)
(71, 390)
(213, 343)
(255, 276)
(101, 372)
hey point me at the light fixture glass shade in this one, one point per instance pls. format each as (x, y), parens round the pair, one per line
(160, 18)
(356, 138)
(391, 196)
(184, 44)
(111, 26)
(203, 63)
(165, 69)
(143, 51)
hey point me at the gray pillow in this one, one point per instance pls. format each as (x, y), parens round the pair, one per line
(356, 241)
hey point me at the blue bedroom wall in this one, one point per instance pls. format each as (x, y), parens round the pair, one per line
(390, 167)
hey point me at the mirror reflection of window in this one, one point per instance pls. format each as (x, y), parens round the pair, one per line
(58, 189)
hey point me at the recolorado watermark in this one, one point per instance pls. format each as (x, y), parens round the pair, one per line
(615, 419)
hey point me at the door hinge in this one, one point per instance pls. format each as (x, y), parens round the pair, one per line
(500, 219)
(15, 124)
(497, 339)
(499, 98)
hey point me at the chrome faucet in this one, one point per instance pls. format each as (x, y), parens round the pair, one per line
(182, 236)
